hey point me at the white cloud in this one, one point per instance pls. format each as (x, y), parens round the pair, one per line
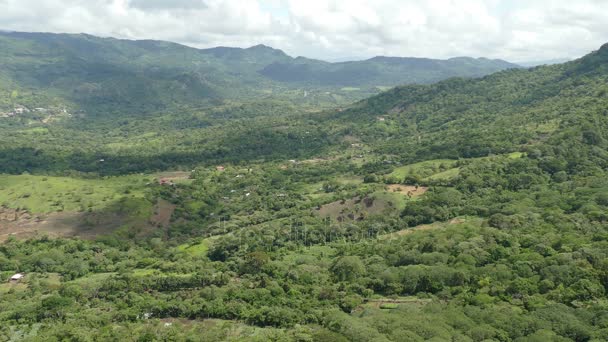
(512, 29)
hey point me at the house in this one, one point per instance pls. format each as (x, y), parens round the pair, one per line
(164, 181)
(381, 118)
(17, 277)
(21, 109)
(220, 168)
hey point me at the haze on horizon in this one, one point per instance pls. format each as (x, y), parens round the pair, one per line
(517, 31)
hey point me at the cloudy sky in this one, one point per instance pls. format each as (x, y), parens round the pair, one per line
(516, 30)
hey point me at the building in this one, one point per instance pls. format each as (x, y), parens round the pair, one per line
(220, 168)
(17, 277)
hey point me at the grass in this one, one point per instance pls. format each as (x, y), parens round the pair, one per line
(424, 169)
(385, 202)
(389, 306)
(35, 130)
(515, 155)
(198, 249)
(142, 272)
(43, 194)
(445, 175)
(439, 169)
(345, 180)
(47, 281)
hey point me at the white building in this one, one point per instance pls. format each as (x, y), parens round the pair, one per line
(17, 277)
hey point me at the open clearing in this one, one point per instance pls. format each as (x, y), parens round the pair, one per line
(133, 214)
(426, 169)
(65, 207)
(432, 226)
(440, 169)
(174, 176)
(356, 209)
(408, 190)
(45, 194)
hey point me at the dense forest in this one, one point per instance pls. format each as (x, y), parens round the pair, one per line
(465, 210)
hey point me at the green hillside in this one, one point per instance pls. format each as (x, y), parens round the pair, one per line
(380, 71)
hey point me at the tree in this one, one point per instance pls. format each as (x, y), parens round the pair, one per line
(348, 268)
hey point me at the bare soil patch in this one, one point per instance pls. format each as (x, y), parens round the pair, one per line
(86, 225)
(408, 190)
(21, 224)
(354, 209)
(173, 176)
(162, 213)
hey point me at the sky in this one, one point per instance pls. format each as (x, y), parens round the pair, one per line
(514, 30)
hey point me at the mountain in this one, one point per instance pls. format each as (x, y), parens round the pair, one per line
(506, 111)
(383, 71)
(107, 75)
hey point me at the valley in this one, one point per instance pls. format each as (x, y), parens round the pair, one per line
(220, 203)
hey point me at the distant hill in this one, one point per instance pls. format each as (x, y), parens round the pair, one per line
(107, 75)
(387, 71)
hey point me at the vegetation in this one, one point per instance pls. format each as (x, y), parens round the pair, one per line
(467, 210)
(380, 71)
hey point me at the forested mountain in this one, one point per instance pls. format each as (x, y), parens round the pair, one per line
(384, 71)
(494, 114)
(465, 210)
(106, 75)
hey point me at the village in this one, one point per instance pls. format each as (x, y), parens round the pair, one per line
(41, 114)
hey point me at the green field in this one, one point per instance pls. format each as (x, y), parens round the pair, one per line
(197, 249)
(45, 194)
(426, 169)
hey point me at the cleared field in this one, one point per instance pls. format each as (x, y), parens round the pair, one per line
(426, 169)
(174, 176)
(357, 209)
(44, 194)
(131, 216)
(407, 190)
(198, 249)
(440, 169)
(48, 280)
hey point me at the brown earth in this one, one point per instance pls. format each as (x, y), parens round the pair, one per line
(162, 213)
(21, 224)
(87, 225)
(408, 190)
(173, 176)
(354, 209)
